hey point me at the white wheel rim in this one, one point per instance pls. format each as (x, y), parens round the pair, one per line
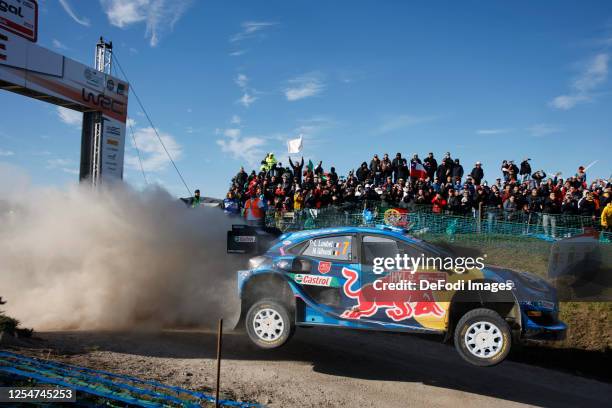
(484, 339)
(268, 324)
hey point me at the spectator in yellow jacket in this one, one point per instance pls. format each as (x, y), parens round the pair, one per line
(606, 217)
(298, 200)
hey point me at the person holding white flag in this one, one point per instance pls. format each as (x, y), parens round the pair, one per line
(297, 169)
(294, 145)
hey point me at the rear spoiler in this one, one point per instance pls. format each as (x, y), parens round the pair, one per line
(246, 239)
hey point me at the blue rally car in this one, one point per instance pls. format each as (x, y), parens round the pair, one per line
(329, 277)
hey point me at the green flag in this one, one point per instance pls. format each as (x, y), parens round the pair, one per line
(310, 165)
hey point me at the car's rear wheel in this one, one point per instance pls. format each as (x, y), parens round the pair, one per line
(482, 337)
(269, 324)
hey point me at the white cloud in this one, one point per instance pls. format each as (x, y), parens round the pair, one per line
(232, 133)
(304, 86)
(242, 80)
(251, 29)
(59, 45)
(594, 74)
(237, 53)
(392, 123)
(246, 100)
(6, 153)
(158, 15)
(248, 149)
(543, 129)
(236, 120)
(68, 9)
(492, 131)
(154, 157)
(69, 116)
(247, 97)
(54, 163)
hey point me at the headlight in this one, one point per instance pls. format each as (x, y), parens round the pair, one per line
(544, 305)
(257, 261)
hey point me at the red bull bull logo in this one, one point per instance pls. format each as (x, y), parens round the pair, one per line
(398, 306)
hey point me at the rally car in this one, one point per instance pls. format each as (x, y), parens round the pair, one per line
(327, 277)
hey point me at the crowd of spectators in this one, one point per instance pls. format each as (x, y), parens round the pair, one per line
(443, 186)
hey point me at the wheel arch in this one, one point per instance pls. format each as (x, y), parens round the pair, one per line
(502, 302)
(267, 285)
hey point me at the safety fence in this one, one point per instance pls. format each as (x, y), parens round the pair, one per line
(102, 388)
(481, 224)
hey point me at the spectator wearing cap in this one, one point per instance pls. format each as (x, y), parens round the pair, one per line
(477, 173)
(194, 201)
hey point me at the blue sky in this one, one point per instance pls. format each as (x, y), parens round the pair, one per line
(227, 81)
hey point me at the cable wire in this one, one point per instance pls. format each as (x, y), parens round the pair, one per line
(131, 85)
(138, 150)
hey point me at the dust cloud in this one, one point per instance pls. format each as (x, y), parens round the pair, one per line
(75, 258)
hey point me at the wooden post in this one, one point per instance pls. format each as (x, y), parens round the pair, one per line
(219, 345)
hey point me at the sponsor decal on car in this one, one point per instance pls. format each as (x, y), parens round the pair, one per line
(395, 308)
(244, 238)
(315, 280)
(324, 267)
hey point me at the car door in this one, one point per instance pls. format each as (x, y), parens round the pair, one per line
(397, 305)
(333, 260)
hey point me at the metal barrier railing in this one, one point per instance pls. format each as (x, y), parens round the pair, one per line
(421, 219)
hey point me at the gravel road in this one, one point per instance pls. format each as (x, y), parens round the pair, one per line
(326, 367)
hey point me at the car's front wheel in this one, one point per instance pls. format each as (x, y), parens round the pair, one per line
(482, 337)
(269, 324)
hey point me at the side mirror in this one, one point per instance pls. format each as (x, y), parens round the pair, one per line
(297, 265)
(301, 265)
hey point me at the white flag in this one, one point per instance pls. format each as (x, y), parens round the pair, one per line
(294, 145)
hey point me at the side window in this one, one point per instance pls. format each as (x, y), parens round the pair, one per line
(378, 247)
(337, 248)
(375, 246)
(297, 249)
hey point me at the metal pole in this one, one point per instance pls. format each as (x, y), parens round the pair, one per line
(219, 346)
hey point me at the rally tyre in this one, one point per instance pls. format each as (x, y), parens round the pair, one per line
(482, 337)
(269, 324)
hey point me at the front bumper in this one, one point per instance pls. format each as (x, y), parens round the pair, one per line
(548, 331)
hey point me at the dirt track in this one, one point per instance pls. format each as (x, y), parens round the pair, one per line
(325, 367)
